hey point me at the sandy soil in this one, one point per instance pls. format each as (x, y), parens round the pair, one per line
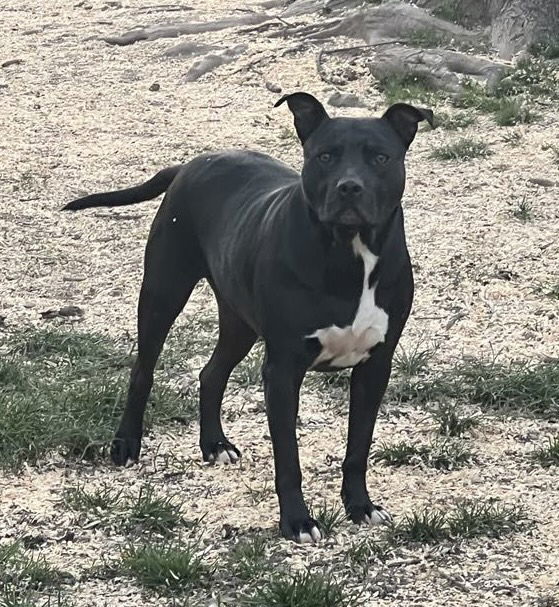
(78, 116)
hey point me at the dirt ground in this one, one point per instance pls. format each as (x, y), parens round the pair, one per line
(78, 116)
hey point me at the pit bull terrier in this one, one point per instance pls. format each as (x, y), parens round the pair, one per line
(315, 264)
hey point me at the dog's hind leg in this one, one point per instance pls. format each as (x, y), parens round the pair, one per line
(235, 340)
(172, 269)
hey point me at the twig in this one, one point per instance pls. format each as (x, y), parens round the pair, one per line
(284, 21)
(400, 562)
(250, 65)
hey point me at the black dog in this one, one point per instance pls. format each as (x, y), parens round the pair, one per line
(316, 264)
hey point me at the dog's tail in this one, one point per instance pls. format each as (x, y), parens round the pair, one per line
(146, 191)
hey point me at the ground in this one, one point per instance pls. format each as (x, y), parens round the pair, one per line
(78, 116)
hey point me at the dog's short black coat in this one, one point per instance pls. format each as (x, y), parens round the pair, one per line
(286, 256)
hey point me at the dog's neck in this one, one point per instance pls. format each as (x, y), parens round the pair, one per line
(319, 256)
(374, 238)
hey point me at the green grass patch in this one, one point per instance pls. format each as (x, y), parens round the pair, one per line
(517, 386)
(171, 567)
(468, 520)
(414, 361)
(453, 121)
(302, 590)
(523, 210)
(153, 513)
(514, 111)
(549, 455)
(328, 518)
(398, 88)
(362, 553)
(64, 391)
(427, 526)
(61, 345)
(441, 455)
(548, 49)
(248, 559)
(103, 499)
(24, 571)
(462, 149)
(336, 380)
(485, 519)
(145, 512)
(249, 371)
(454, 420)
(533, 77)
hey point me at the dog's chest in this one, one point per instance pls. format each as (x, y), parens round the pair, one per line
(348, 346)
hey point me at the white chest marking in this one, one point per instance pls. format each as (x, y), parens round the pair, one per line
(348, 346)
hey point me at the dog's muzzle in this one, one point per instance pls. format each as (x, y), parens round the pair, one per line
(350, 218)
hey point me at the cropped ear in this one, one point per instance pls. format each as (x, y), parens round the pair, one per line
(404, 119)
(309, 113)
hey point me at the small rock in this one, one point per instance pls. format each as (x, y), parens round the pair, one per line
(12, 62)
(155, 87)
(273, 88)
(345, 100)
(3, 85)
(70, 311)
(63, 312)
(546, 183)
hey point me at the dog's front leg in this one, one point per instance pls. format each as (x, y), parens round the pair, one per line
(282, 382)
(368, 384)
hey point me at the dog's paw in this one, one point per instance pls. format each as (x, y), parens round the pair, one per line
(302, 530)
(125, 448)
(369, 514)
(222, 452)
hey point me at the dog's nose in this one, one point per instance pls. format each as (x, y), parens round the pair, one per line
(350, 188)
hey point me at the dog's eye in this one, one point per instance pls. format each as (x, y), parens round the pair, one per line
(325, 157)
(381, 158)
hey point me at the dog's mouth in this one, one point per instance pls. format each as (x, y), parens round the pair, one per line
(350, 218)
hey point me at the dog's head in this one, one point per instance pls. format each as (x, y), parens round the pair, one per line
(353, 173)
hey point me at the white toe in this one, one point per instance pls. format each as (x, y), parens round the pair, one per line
(233, 457)
(304, 538)
(316, 535)
(223, 457)
(310, 538)
(379, 516)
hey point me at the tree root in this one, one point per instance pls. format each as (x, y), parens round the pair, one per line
(180, 29)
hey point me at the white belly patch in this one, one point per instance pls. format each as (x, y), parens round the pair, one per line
(348, 346)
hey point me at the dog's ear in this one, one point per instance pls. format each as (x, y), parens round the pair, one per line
(404, 119)
(309, 113)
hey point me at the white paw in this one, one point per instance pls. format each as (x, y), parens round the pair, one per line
(379, 516)
(225, 456)
(309, 538)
